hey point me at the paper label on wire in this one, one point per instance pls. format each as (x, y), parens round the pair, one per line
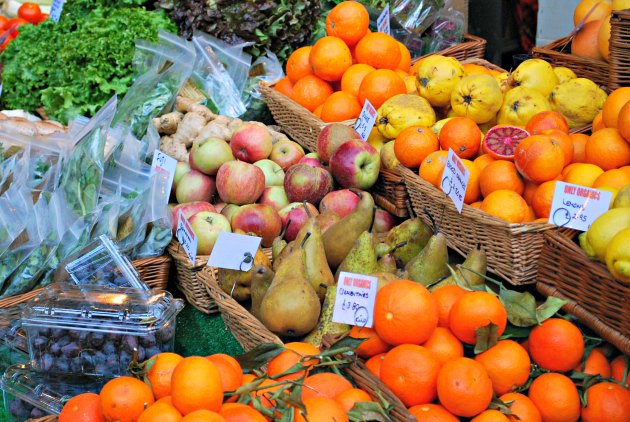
(455, 179)
(354, 304)
(55, 10)
(165, 164)
(576, 206)
(234, 251)
(186, 237)
(365, 122)
(382, 23)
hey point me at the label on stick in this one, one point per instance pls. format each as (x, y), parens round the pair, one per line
(186, 237)
(354, 304)
(55, 10)
(382, 23)
(365, 122)
(164, 164)
(455, 179)
(576, 206)
(234, 251)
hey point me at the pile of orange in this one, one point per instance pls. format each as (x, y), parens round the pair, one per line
(335, 76)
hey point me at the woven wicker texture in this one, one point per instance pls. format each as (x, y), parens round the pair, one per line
(53, 418)
(619, 66)
(594, 296)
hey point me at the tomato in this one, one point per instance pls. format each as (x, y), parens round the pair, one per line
(43, 17)
(30, 12)
(7, 39)
(16, 23)
(3, 23)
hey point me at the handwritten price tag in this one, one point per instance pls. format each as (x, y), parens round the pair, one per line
(576, 206)
(55, 9)
(354, 304)
(234, 251)
(186, 236)
(455, 179)
(164, 164)
(382, 23)
(365, 122)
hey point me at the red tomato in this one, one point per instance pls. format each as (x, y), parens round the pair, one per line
(17, 22)
(3, 23)
(6, 41)
(43, 17)
(30, 12)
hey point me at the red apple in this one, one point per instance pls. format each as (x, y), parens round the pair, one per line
(327, 219)
(209, 154)
(229, 210)
(219, 205)
(181, 169)
(240, 183)
(341, 202)
(383, 221)
(195, 186)
(303, 182)
(251, 142)
(355, 164)
(331, 137)
(259, 219)
(311, 161)
(298, 216)
(275, 197)
(189, 209)
(207, 226)
(286, 153)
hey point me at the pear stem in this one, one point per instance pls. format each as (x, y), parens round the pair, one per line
(284, 230)
(434, 226)
(398, 246)
(308, 212)
(373, 219)
(356, 192)
(308, 234)
(410, 209)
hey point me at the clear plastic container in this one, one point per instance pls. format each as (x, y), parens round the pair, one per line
(31, 394)
(102, 263)
(13, 344)
(95, 330)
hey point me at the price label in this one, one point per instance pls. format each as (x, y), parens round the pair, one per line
(354, 304)
(164, 164)
(234, 251)
(382, 23)
(365, 122)
(455, 179)
(576, 206)
(186, 237)
(55, 9)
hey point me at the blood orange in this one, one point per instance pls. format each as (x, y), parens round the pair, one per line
(501, 141)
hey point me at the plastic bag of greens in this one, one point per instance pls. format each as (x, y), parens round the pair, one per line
(16, 168)
(411, 18)
(157, 219)
(110, 200)
(83, 174)
(149, 55)
(266, 68)
(447, 30)
(15, 205)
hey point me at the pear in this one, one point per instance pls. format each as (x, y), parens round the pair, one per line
(413, 231)
(279, 243)
(388, 263)
(261, 280)
(384, 279)
(317, 270)
(431, 264)
(237, 283)
(467, 274)
(341, 236)
(325, 325)
(622, 199)
(362, 257)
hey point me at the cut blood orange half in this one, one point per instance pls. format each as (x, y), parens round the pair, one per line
(501, 141)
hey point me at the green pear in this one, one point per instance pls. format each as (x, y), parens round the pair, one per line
(431, 264)
(413, 231)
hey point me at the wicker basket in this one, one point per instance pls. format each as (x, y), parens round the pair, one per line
(153, 271)
(594, 296)
(52, 418)
(390, 192)
(619, 65)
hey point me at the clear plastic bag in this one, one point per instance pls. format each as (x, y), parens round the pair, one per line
(157, 219)
(110, 200)
(266, 68)
(447, 30)
(411, 18)
(15, 205)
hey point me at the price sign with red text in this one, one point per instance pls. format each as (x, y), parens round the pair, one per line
(576, 206)
(354, 304)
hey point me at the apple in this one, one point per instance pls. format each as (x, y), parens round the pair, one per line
(311, 161)
(219, 205)
(240, 183)
(286, 153)
(331, 137)
(195, 186)
(275, 197)
(207, 226)
(259, 219)
(209, 154)
(327, 219)
(274, 175)
(303, 182)
(181, 169)
(355, 164)
(251, 142)
(189, 209)
(383, 221)
(341, 201)
(296, 212)
(229, 210)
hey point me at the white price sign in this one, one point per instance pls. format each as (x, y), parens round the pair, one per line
(382, 23)
(55, 9)
(576, 206)
(164, 164)
(365, 122)
(354, 304)
(455, 179)
(234, 251)
(186, 237)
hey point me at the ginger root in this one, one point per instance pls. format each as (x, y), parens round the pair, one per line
(186, 105)
(177, 150)
(168, 123)
(189, 128)
(214, 130)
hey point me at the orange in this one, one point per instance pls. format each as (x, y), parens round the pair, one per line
(195, 385)
(329, 58)
(123, 399)
(444, 345)
(379, 86)
(623, 121)
(310, 92)
(625, 168)
(432, 167)
(595, 9)
(482, 161)
(542, 199)
(473, 191)
(595, 364)
(506, 205)
(405, 58)
(474, 69)
(410, 371)
(83, 407)
(613, 105)
(598, 121)
(500, 175)
(374, 363)
(579, 147)
(295, 352)
(432, 413)
(475, 310)
(340, 106)
(490, 416)
(402, 74)
(476, 205)
(159, 412)
(584, 43)
(507, 364)
(166, 400)
(352, 78)
(370, 347)
(414, 144)
(570, 167)
(614, 178)
(265, 389)
(539, 158)
(464, 387)
(379, 50)
(556, 345)
(530, 189)
(203, 415)
(462, 135)
(231, 377)
(606, 401)
(522, 408)
(607, 149)
(321, 409)
(298, 65)
(159, 376)
(556, 397)
(284, 86)
(583, 174)
(445, 297)
(565, 142)
(348, 21)
(546, 120)
(619, 368)
(238, 412)
(405, 312)
(324, 384)
(318, 111)
(348, 398)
